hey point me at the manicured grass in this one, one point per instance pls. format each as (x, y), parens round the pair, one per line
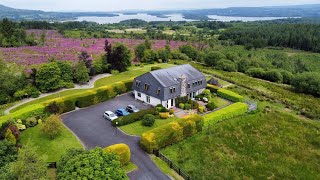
(164, 167)
(138, 129)
(6, 106)
(275, 145)
(51, 149)
(220, 102)
(129, 167)
(133, 72)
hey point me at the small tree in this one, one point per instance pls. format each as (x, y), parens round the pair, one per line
(148, 120)
(81, 73)
(10, 137)
(48, 77)
(52, 127)
(53, 108)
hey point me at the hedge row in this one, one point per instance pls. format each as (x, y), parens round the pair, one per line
(212, 88)
(231, 111)
(232, 96)
(122, 150)
(171, 133)
(133, 117)
(69, 103)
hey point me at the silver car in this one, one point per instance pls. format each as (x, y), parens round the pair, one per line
(109, 115)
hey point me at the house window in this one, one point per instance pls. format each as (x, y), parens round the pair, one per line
(172, 90)
(138, 83)
(158, 91)
(139, 94)
(200, 82)
(189, 85)
(148, 99)
(146, 87)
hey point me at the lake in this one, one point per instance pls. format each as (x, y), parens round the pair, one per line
(169, 17)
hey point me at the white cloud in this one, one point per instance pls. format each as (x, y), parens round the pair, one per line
(111, 5)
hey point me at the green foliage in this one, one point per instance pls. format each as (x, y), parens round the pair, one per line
(28, 165)
(273, 76)
(122, 150)
(31, 122)
(118, 56)
(81, 73)
(150, 56)
(52, 126)
(8, 153)
(190, 51)
(53, 108)
(226, 65)
(212, 88)
(10, 137)
(231, 111)
(173, 132)
(211, 105)
(133, 117)
(307, 83)
(181, 106)
(114, 72)
(212, 58)
(187, 106)
(164, 115)
(232, 96)
(171, 111)
(93, 164)
(154, 68)
(66, 73)
(164, 55)
(48, 77)
(148, 120)
(201, 109)
(139, 51)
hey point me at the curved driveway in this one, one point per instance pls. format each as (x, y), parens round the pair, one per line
(93, 130)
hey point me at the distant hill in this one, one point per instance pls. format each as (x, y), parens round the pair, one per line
(309, 10)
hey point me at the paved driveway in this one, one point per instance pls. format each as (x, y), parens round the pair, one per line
(93, 130)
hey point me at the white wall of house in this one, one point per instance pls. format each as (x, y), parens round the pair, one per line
(143, 97)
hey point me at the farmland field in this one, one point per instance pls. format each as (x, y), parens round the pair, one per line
(66, 48)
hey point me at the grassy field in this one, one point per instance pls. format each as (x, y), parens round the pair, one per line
(133, 72)
(220, 102)
(51, 149)
(164, 167)
(138, 129)
(275, 145)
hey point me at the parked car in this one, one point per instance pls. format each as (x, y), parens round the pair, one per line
(122, 112)
(205, 100)
(109, 115)
(132, 109)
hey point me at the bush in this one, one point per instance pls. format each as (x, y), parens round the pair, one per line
(173, 132)
(114, 72)
(54, 108)
(194, 104)
(31, 122)
(273, 76)
(181, 106)
(52, 126)
(231, 111)
(308, 82)
(154, 68)
(171, 111)
(133, 117)
(164, 115)
(211, 105)
(212, 88)
(180, 100)
(256, 72)
(187, 106)
(201, 109)
(10, 137)
(234, 97)
(148, 120)
(122, 150)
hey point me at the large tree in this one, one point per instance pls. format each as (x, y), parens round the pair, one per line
(118, 56)
(81, 73)
(92, 164)
(48, 77)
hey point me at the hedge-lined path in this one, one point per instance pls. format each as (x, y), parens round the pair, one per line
(93, 130)
(89, 85)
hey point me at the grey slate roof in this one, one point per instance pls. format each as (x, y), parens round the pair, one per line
(170, 76)
(164, 79)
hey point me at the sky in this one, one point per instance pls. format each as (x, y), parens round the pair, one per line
(114, 5)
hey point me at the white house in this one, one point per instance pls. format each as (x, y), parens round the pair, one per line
(165, 85)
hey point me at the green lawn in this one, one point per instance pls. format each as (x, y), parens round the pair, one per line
(51, 149)
(138, 129)
(133, 72)
(164, 167)
(220, 102)
(274, 145)
(129, 167)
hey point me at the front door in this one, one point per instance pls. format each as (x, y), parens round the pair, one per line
(172, 101)
(148, 99)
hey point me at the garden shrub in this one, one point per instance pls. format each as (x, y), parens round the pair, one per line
(15, 131)
(31, 122)
(201, 109)
(164, 115)
(171, 111)
(128, 83)
(212, 88)
(119, 88)
(173, 132)
(232, 96)
(122, 150)
(133, 117)
(211, 105)
(187, 106)
(10, 137)
(182, 100)
(154, 68)
(52, 126)
(54, 107)
(194, 104)
(231, 111)
(181, 106)
(148, 120)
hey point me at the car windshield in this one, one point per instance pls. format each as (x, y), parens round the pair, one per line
(112, 115)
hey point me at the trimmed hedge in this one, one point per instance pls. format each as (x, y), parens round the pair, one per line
(232, 96)
(231, 111)
(171, 133)
(133, 117)
(69, 103)
(212, 88)
(122, 150)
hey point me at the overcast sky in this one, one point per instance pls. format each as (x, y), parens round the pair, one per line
(112, 5)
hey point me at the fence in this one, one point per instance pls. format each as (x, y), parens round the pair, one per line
(171, 165)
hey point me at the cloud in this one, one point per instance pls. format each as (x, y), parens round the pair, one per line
(112, 5)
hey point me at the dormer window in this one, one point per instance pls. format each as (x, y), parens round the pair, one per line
(189, 85)
(172, 90)
(146, 87)
(137, 83)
